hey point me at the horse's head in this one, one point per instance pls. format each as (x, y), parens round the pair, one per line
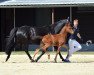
(68, 28)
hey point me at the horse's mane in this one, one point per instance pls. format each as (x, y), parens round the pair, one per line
(54, 28)
(53, 25)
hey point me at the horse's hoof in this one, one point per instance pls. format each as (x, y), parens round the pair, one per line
(32, 60)
(36, 60)
(63, 59)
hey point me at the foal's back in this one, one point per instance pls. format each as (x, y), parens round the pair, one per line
(53, 39)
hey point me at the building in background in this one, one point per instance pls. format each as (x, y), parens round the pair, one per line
(16, 13)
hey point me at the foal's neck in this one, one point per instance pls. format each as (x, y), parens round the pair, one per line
(63, 32)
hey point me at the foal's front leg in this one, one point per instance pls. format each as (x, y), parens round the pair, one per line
(57, 53)
(48, 55)
(60, 55)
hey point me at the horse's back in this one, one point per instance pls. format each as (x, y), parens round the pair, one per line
(42, 30)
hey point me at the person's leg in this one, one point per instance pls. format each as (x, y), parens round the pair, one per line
(73, 47)
(71, 44)
(77, 46)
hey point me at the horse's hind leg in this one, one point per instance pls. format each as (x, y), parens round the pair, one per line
(61, 57)
(11, 47)
(8, 56)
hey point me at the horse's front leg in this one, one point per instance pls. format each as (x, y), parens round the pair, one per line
(57, 52)
(60, 52)
(25, 48)
(61, 57)
(29, 56)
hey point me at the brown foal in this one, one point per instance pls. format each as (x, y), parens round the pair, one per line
(58, 40)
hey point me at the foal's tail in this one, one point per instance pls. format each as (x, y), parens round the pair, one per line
(10, 41)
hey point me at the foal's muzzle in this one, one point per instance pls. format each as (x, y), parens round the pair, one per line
(72, 32)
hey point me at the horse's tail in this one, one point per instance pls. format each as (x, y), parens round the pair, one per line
(10, 41)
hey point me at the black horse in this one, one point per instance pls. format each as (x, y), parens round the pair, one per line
(25, 35)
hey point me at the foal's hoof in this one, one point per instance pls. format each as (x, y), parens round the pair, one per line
(48, 56)
(55, 60)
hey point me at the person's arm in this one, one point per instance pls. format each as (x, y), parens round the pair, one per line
(79, 36)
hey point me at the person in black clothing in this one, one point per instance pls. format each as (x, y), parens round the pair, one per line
(73, 44)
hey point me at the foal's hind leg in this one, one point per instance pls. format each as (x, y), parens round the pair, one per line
(38, 49)
(44, 48)
(57, 53)
(36, 52)
(43, 52)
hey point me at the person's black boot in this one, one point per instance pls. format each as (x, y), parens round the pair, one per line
(67, 60)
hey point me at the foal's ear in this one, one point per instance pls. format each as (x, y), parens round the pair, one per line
(68, 24)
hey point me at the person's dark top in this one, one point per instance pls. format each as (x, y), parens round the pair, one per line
(74, 36)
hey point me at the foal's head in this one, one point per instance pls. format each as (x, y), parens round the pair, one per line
(67, 28)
